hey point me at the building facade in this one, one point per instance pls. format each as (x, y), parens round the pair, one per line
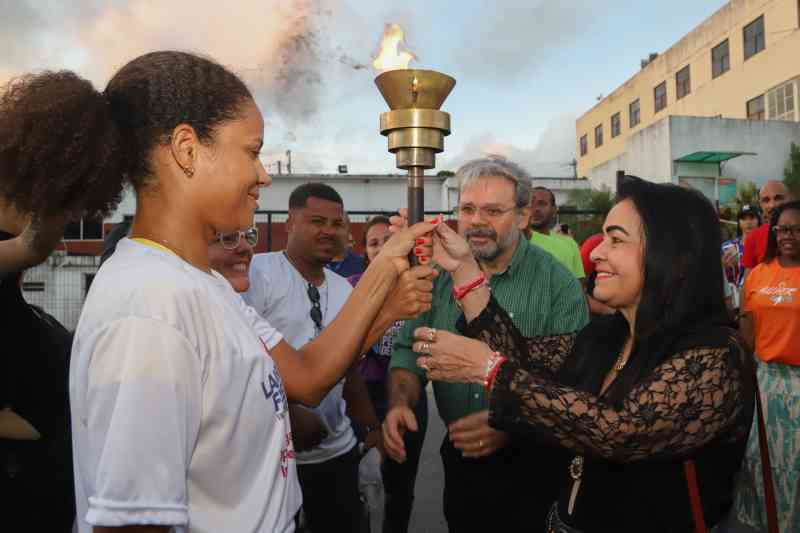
(741, 63)
(708, 154)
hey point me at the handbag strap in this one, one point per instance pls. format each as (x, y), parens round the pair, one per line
(766, 473)
(766, 468)
(694, 496)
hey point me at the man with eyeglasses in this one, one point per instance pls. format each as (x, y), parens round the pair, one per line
(294, 291)
(488, 486)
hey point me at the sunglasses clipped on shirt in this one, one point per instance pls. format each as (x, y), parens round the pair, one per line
(316, 312)
(230, 241)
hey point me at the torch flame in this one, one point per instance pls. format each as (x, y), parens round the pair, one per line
(390, 57)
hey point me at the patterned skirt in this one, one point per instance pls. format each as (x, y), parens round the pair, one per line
(780, 395)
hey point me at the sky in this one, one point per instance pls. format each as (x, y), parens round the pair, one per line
(525, 69)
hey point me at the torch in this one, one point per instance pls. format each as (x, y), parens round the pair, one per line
(414, 126)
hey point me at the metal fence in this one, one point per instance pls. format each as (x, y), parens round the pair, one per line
(59, 285)
(272, 226)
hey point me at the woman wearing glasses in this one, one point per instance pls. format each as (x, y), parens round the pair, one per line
(770, 323)
(230, 255)
(178, 390)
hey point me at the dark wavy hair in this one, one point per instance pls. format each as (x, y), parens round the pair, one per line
(67, 148)
(772, 240)
(683, 278)
(59, 147)
(156, 92)
(682, 297)
(373, 221)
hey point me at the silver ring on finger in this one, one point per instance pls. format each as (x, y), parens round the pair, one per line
(426, 348)
(432, 334)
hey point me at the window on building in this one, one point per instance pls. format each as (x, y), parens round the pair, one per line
(634, 116)
(598, 136)
(584, 145)
(660, 95)
(84, 229)
(754, 37)
(616, 125)
(683, 82)
(780, 102)
(720, 59)
(755, 108)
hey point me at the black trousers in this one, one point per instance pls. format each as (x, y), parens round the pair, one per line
(330, 494)
(509, 491)
(399, 479)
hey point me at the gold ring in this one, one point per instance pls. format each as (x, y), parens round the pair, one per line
(480, 444)
(426, 348)
(432, 335)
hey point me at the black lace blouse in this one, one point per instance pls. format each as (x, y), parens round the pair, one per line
(693, 399)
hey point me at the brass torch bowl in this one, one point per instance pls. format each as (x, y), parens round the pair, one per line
(415, 127)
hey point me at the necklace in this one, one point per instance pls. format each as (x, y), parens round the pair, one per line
(153, 244)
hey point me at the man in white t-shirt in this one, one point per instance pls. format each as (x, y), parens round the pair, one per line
(295, 293)
(171, 376)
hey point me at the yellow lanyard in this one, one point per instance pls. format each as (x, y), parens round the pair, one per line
(152, 244)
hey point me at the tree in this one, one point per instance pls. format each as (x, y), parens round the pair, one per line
(746, 193)
(592, 205)
(791, 174)
(446, 173)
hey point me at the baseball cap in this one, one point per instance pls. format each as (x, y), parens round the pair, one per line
(748, 209)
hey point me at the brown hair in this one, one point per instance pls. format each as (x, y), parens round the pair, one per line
(67, 148)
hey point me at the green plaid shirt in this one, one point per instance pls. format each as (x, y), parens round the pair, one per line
(540, 295)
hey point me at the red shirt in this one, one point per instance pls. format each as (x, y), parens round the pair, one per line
(586, 249)
(755, 246)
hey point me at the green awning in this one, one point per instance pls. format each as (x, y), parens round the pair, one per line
(710, 157)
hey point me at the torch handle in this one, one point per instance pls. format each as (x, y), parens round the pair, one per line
(416, 200)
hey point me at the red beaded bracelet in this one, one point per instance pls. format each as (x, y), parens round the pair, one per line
(462, 290)
(492, 367)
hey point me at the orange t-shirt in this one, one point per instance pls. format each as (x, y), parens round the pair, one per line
(772, 295)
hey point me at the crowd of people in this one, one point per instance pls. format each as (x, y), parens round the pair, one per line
(604, 387)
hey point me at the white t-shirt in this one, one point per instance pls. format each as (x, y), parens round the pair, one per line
(280, 294)
(179, 416)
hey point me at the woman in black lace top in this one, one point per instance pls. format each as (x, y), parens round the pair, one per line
(634, 395)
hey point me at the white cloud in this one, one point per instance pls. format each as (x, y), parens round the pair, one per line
(550, 157)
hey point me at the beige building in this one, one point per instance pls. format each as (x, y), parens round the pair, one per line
(741, 63)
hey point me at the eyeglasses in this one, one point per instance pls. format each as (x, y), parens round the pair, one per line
(489, 213)
(231, 240)
(785, 231)
(316, 312)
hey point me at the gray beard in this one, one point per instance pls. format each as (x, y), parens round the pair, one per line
(491, 251)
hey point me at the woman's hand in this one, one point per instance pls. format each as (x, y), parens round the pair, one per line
(308, 431)
(450, 250)
(411, 295)
(449, 357)
(406, 239)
